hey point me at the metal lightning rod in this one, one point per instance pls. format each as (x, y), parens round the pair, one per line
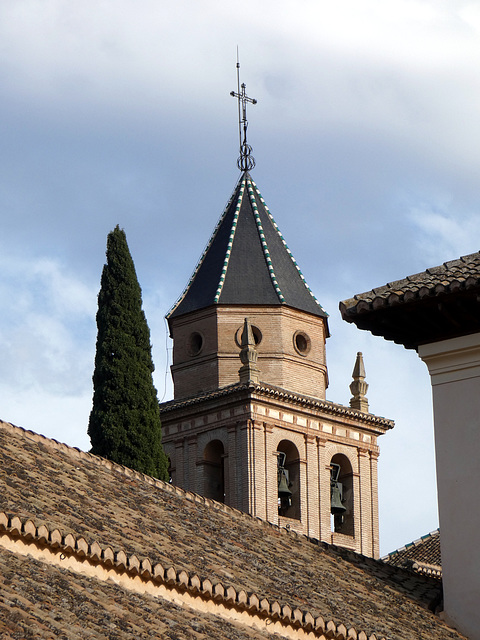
(245, 161)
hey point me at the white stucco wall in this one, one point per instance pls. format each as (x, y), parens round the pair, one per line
(454, 367)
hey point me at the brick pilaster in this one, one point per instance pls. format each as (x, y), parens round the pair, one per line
(312, 487)
(363, 523)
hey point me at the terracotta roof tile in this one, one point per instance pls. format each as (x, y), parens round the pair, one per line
(43, 602)
(425, 551)
(420, 307)
(118, 511)
(447, 273)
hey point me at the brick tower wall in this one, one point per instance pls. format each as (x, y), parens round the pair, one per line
(291, 349)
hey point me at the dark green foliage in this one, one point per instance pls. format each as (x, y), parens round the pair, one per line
(124, 422)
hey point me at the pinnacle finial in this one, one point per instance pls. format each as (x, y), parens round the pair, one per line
(248, 355)
(245, 160)
(359, 387)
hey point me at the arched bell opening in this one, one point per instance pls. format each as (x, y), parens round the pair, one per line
(214, 471)
(341, 495)
(288, 476)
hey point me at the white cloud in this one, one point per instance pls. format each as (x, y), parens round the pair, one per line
(165, 48)
(47, 335)
(444, 233)
(65, 294)
(47, 341)
(64, 418)
(405, 69)
(405, 76)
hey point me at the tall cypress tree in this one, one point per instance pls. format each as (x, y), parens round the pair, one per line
(124, 422)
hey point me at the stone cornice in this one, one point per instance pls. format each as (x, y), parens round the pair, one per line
(250, 390)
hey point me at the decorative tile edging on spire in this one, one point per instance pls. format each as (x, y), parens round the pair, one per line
(285, 244)
(261, 233)
(207, 247)
(75, 552)
(230, 241)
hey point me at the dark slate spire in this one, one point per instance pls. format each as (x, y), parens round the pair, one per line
(246, 261)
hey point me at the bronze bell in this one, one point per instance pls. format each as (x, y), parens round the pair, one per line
(283, 490)
(337, 508)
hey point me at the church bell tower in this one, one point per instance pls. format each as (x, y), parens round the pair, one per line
(249, 424)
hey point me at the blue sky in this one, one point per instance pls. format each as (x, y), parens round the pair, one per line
(118, 112)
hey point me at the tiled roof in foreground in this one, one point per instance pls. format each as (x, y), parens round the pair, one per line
(42, 602)
(422, 555)
(247, 261)
(439, 303)
(115, 552)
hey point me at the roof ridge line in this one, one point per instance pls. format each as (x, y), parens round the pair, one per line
(133, 473)
(179, 579)
(75, 452)
(434, 281)
(230, 238)
(170, 488)
(263, 242)
(414, 543)
(205, 250)
(272, 220)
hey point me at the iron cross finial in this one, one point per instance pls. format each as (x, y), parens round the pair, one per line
(245, 161)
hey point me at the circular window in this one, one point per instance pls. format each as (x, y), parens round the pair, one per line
(302, 343)
(257, 334)
(195, 343)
